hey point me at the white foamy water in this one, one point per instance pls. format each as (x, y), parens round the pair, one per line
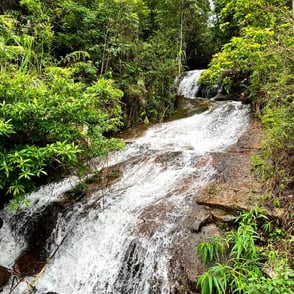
(119, 240)
(188, 86)
(9, 246)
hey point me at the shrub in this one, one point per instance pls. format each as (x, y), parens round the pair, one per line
(243, 270)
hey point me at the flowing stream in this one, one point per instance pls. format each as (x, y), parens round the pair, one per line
(120, 238)
(188, 86)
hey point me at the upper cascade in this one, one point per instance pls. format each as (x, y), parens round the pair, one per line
(188, 83)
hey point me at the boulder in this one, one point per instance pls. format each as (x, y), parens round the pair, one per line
(208, 91)
(230, 198)
(221, 216)
(38, 228)
(189, 266)
(27, 264)
(201, 222)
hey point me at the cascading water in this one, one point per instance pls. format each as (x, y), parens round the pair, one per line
(188, 86)
(120, 238)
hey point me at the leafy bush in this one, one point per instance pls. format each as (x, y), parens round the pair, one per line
(281, 283)
(212, 250)
(50, 121)
(243, 272)
(47, 120)
(258, 63)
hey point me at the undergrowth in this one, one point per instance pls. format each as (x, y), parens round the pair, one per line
(252, 263)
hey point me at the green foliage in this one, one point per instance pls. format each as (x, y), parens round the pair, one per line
(234, 15)
(278, 119)
(55, 116)
(47, 120)
(75, 56)
(213, 280)
(20, 166)
(117, 49)
(128, 41)
(50, 123)
(281, 283)
(6, 128)
(260, 168)
(212, 250)
(257, 61)
(238, 58)
(242, 273)
(260, 26)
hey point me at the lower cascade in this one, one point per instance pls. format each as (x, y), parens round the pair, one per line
(119, 239)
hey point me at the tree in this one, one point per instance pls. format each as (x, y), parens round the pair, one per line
(257, 62)
(47, 120)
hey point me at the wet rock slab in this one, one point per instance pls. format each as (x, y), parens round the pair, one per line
(191, 265)
(234, 188)
(196, 227)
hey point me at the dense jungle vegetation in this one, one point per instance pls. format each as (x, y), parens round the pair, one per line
(257, 61)
(76, 72)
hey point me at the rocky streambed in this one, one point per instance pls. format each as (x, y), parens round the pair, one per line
(233, 189)
(191, 196)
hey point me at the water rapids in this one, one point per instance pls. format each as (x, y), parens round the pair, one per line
(120, 239)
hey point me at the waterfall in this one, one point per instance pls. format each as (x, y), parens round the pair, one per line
(119, 239)
(188, 86)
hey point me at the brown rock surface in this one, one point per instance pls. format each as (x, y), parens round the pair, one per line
(190, 265)
(235, 188)
(4, 276)
(27, 265)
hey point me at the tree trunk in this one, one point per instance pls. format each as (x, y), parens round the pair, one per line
(293, 15)
(181, 38)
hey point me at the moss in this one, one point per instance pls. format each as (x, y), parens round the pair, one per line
(188, 107)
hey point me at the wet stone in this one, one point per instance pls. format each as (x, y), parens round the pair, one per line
(131, 271)
(27, 264)
(4, 276)
(37, 228)
(200, 222)
(221, 216)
